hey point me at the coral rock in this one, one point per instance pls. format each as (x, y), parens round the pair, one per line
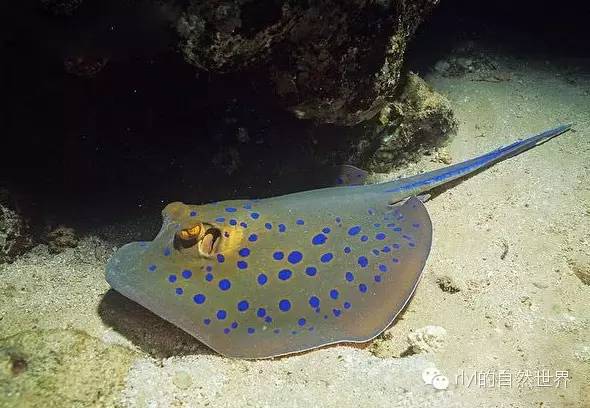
(331, 61)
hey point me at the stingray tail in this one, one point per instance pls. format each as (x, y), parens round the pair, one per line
(427, 181)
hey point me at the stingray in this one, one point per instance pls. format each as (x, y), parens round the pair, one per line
(264, 278)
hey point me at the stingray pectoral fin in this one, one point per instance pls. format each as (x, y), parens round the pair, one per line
(122, 269)
(410, 241)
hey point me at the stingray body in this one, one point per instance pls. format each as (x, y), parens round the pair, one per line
(263, 278)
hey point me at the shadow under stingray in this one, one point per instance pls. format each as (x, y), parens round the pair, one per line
(161, 339)
(152, 334)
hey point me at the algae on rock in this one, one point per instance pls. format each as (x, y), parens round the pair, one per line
(57, 368)
(15, 237)
(419, 116)
(327, 60)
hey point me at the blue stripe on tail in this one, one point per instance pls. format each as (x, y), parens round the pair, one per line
(424, 182)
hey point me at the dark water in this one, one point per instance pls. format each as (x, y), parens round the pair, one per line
(150, 129)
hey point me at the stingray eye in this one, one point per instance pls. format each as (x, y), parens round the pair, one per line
(210, 242)
(187, 237)
(190, 233)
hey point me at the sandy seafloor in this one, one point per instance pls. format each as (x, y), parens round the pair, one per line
(511, 244)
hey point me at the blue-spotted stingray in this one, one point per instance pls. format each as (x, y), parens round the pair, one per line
(264, 278)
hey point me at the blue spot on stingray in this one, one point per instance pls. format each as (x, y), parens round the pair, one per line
(394, 260)
(209, 268)
(416, 225)
(199, 298)
(363, 261)
(262, 279)
(326, 230)
(397, 229)
(371, 211)
(376, 225)
(375, 252)
(278, 255)
(319, 239)
(193, 213)
(352, 231)
(364, 238)
(396, 246)
(314, 302)
(247, 206)
(172, 278)
(338, 220)
(386, 249)
(268, 319)
(261, 312)
(224, 284)
(347, 305)
(311, 270)
(336, 312)
(220, 258)
(251, 330)
(411, 244)
(347, 250)
(285, 274)
(244, 252)
(243, 305)
(186, 274)
(152, 268)
(242, 264)
(383, 268)
(226, 330)
(234, 325)
(334, 294)
(377, 278)
(284, 305)
(220, 219)
(221, 314)
(231, 209)
(167, 252)
(295, 257)
(301, 322)
(254, 215)
(349, 276)
(282, 228)
(233, 222)
(243, 224)
(380, 236)
(268, 225)
(327, 257)
(206, 322)
(209, 277)
(179, 291)
(363, 287)
(299, 221)
(252, 237)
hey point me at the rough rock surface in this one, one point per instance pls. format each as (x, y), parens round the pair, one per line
(336, 62)
(14, 230)
(56, 368)
(61, 238)
(61, 7)
(427, 339)
(419, 115)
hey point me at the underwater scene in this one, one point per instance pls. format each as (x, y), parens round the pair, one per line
(279, 203)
